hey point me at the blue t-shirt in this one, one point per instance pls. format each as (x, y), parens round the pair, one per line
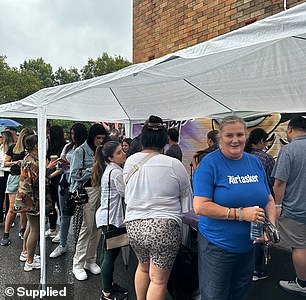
(230, 183)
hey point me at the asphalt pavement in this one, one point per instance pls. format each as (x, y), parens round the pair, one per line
(59, 271)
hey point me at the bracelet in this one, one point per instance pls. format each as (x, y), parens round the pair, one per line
(278, 205)
(235, 213)
(240, 214)
(228, 213)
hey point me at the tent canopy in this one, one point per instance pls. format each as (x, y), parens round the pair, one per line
(258, 68)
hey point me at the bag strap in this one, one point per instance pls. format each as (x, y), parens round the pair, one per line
(109, 191)
(81, 184)
(136, 167)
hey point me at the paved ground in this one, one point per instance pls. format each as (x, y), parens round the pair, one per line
(59, 272)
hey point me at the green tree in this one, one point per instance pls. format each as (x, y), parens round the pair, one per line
(63, 76)
(103, 65)
(41, 70)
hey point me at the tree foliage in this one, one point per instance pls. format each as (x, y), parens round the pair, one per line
(35, 74)
(103, 65)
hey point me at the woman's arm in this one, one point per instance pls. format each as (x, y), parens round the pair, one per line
(271, 210)
(76, 167)
(206, 207)
(9, 163)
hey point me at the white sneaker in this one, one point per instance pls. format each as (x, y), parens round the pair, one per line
(93, 268)
(23, 257)
(57, 238)
(58, 251)
(34, 265)
(50, 233)
(80, 274)
(292, 287)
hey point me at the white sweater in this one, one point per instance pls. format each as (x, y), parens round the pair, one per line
(159, 189)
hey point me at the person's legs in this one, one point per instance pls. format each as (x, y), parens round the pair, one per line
(88, 240)
(142, 280)
(242, 275)
(9, 219)
(299, 262)
(107, 268)
(32, 237)
(216, 268)
(158, 283)
(91, 254)
(65, 220)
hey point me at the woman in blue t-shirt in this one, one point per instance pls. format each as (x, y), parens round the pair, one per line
(230, 192)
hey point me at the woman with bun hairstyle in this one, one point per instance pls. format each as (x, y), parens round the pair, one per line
(27, 199)
(156, 195)
(108, 166)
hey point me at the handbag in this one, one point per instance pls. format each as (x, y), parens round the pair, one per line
(271, 231)
(114, 237)
(80, 196)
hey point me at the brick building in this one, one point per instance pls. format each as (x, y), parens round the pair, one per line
(164, 26)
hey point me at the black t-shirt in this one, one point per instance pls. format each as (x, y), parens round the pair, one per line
(15, 170)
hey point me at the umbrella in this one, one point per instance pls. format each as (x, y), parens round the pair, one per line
(9, 122)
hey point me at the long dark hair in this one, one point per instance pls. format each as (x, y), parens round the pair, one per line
(80, 136)
(57, 140)
(256, 135)
(101, 160)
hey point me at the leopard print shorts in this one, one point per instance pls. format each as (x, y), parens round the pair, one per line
(157, 240)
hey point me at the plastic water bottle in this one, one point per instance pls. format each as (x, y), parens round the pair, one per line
(256, 230)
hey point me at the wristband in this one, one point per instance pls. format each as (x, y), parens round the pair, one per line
(278, 206)
(240, 214)
(228, 213)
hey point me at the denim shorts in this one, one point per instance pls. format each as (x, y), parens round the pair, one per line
(223, 275)
(12, 184)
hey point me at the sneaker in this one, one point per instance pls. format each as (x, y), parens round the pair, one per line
(5, 241)
(21, 233)
(259, 275)
(93, 268)
(292, 287)
(118, 289)
(80, 274)
(49, 233)
(24, 256)
(112, 296)
(30, 267)
(57, 238)
(58, 251)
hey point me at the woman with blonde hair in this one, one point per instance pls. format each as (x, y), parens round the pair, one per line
(6, 140)
(13, 159)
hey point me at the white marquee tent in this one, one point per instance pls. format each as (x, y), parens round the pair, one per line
(259, 68)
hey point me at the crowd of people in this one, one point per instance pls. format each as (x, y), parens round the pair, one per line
(105, 183)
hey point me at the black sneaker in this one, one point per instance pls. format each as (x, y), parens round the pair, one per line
(5, 241)
(112, 296)
(259, 275)
(118, 289)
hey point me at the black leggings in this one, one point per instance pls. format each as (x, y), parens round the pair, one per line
(107, 263)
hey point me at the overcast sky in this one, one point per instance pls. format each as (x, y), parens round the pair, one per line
(64, 32)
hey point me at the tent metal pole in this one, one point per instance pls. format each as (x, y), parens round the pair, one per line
(41, 126)
(209, 96)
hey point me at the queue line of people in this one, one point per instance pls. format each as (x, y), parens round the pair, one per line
(231, 190)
